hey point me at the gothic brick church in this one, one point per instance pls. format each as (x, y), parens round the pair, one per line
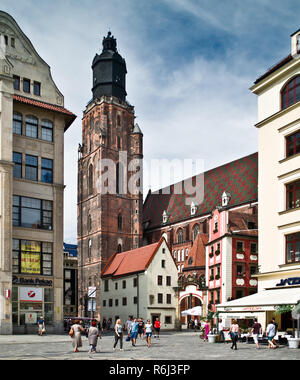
(111, 214)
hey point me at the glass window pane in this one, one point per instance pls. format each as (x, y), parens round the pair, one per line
(47, 134)
(31, 160)
(31, 173)
(31, 218)
(47, 163)
(47, 176)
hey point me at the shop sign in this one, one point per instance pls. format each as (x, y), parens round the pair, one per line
(31, 295)
(252, 308)
(31, 281)
(289, 281)
(30, 258)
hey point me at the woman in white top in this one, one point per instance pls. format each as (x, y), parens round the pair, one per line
(118, 334)
(148, 331)
(234, 333)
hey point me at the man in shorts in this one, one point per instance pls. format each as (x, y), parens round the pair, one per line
(134, 331)
(256, 330)
(157, 327)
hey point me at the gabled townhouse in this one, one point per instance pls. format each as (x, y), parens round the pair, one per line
(141, 283)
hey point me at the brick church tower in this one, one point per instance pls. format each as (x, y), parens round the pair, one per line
(110, 200)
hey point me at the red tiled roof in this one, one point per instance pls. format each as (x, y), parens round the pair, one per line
(239, 178)
(238, 223)
(197, 253)
(48, 106)
(134, 261)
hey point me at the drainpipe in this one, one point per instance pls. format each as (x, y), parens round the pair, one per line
(138, 297)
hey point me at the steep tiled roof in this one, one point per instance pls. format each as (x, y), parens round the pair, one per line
(239, 178)
(134, 261)
(196, 257)
(238, 223)
(48, 106)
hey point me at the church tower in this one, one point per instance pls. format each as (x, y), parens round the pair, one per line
(110, 199)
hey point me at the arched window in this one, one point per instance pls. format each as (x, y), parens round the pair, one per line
(90, 179)
(196, 231)
(180, 236)
(120, 222)
(119, 248)
(290, 93)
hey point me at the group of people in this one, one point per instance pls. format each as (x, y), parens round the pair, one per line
(135, 327)
(256, 330)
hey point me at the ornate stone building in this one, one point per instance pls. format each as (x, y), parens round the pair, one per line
(32, 125)
(109, 186)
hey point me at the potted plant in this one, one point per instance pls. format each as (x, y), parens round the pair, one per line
(211, 336)
(293, 342)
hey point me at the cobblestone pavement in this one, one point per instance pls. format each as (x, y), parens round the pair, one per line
(170, 346)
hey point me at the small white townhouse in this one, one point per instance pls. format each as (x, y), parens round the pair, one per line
(141, 283)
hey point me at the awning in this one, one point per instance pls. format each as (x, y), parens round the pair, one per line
(264, 300)
(194, 311)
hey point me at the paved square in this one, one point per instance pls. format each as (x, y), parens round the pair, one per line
(170, 346)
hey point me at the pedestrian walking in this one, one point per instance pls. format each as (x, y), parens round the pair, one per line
(128, 324)
(41, 326)
(93, 335)
(221, 330)
(109, 322)
(196, 324)
(148, 330)
(118, 334)
(234, 333)
(256, 330)
(104, 324)
(134, 331)
(271, 332)
(276, 329)
(141, 328)
(206, 331)
(157, 327)
(75, 333)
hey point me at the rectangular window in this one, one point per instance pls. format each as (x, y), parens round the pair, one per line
(239, 293)
(159, 280)
(32, 213)
(17, 159)
(253, 248)
(135, 282)
(26, 85)
(31, 127)
(169, 298)
(17, 123)
(16, 82)
(124, 301)
(169, 280)
(104, 303)
(47, 130)
(116, 302)
(160, 298)
(293, 248)
(106, 289)
(253, 270)
(110, 302)
(116, 286)
(13, 42)
(31, 168)
(37, 88)
(168, 320)
(293, 144)
(135, 300)
(163, 263)
(240, 246)
(240, 270)
(124, 284)
(31, 257)
(47, 170)
(293, 195)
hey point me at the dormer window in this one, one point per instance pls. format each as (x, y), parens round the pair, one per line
(193, 208)
(225, 199)
(165, 216)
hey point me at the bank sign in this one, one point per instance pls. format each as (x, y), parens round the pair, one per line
(289, 281)
(31, 294)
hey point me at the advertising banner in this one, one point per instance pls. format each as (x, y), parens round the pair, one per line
(31, 295)
(30, 318)
(30, 257)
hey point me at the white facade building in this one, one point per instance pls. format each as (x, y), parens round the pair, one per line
(141, 283)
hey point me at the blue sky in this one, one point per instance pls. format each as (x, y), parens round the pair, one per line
(190, 65)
